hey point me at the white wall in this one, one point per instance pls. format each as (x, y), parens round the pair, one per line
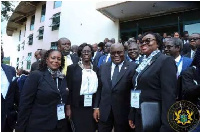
(81, 22)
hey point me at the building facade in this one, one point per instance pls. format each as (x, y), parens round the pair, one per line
(39, 24)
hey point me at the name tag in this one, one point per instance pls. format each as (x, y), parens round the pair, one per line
(87, 100)
(135, 98)
(60, 111)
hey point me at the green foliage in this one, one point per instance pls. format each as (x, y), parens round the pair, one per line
(6, 7)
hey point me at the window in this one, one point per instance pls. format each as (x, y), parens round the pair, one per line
(41, 31)
(25, 30)
(23, 43)
(57, 4)
(43, 13)
(22, 64)
(18, 47)
(17, 62)
(32, 22)
(19, 35)
(55, 21)
(30, 41)
(28, 59)
(54, 45)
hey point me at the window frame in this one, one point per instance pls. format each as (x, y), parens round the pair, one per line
(43, 12)
(30, 41)
(57, 4)
(55, 21)
(54, 45)
(32, 23)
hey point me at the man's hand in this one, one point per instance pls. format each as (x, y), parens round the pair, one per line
(131, 124)
(68, 111)
(96, 115)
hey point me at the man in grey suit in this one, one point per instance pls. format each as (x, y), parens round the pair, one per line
(112, 101)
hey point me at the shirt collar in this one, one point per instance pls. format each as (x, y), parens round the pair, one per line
(113, 64)
(178, 58)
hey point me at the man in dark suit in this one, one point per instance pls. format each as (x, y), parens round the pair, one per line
(106, 57)
(7, 75)
(112, 101)
(38, 55)
(194, 40)
(134, 53)
(64, 46)
(97, 55)
(173, 48)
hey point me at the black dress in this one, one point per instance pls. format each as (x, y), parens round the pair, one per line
(81, 116)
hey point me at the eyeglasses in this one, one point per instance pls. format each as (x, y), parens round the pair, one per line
(116, 52)
(146, 41)
(168, 46)
(194, 39)
(86, 51)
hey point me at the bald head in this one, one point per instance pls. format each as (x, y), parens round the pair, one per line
(64, 45)
(117, 53)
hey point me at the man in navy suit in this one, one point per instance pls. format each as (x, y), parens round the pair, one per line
(7, 75)
(112, 102)
(97, 55)
(173, 48)
(106, 57)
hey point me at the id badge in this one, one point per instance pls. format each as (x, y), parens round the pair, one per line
(60, 111)
(87, 100)
(135, 98)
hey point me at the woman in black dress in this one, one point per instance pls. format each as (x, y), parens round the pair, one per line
(82, 83)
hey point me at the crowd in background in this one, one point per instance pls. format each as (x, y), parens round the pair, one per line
(93, 85)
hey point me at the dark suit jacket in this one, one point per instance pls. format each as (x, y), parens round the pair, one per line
(157, 84)
(96, 59)
(38, 101)
(74, 80)
(7, 103)
(186, 49)
(116, 98)
(35, 66)
(74, 58)
(191, 90)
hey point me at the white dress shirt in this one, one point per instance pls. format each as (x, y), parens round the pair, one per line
(69, 60)
(113, 67)
(4, 83)
(108, 56)
(192, 53)
(89, 82)
(180, 65)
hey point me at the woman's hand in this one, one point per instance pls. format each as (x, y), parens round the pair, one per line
(96, 115)
(131, 124)
(68, 111)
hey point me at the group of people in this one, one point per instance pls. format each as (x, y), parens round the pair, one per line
(102, 86)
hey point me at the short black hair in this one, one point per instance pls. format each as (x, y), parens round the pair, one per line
(43, 64)
(80, 48)
(157, 37)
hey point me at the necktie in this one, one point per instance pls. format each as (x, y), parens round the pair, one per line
(115, 75)
(64, 71)
(193, 55)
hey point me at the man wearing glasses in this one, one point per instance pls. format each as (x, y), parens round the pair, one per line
(194, 40)
(113, 93)
(173, 48)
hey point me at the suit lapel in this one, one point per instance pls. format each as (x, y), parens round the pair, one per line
(108, 73)
(8, 72)
(152, 61)
(122, 72)
(50, 81)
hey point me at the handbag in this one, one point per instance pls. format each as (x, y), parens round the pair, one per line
(151, 116)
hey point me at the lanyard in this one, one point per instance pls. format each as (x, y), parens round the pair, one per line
(179, 62)
(58, 89)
